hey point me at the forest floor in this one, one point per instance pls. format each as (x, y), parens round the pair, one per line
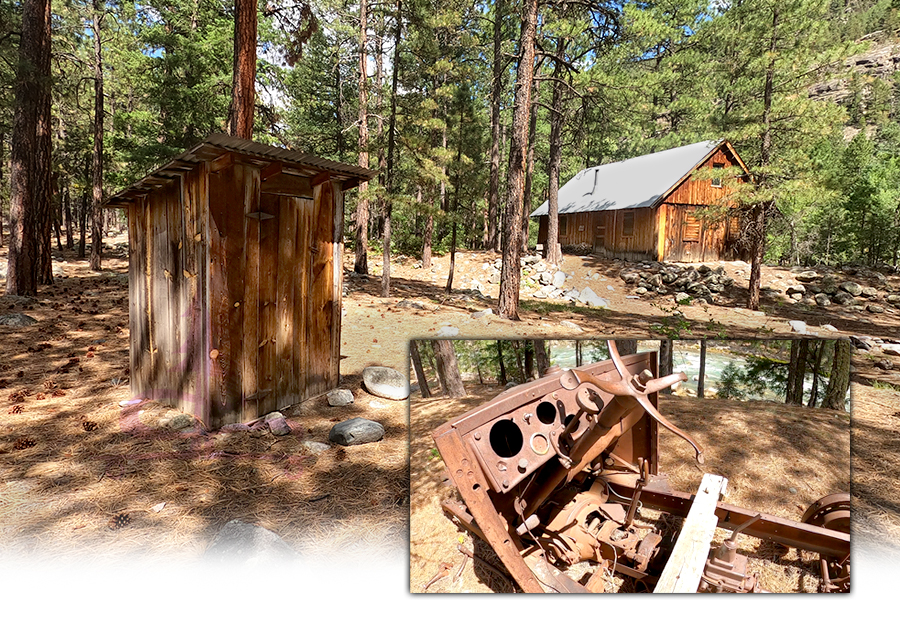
(778, 459)
(60, 495)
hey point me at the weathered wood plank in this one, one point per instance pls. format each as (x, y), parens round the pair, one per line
(286, 284)
(248, 194)
(268, 304)
(161, 317)
(177, 368)
(320, 291)
(685, 565)
(226, 234)
(138, 319)
(302, 305)
(337, 282)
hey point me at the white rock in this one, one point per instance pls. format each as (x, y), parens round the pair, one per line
(799, 326)
(447, 332)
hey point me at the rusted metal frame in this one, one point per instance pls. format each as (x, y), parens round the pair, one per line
(473, 487)
(769, 527)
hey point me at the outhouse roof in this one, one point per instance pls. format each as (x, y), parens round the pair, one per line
(218, 144)
(634, 183)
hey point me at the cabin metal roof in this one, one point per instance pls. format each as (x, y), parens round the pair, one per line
(217, 144)
(640, 182)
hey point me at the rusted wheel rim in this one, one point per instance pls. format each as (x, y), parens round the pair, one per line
(831, 512)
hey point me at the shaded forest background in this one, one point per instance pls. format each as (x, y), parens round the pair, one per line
(789, 83)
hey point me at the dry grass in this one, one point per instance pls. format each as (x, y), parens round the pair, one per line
(764, 449)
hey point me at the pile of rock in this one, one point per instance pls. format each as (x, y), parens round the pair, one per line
(701, 283)
(545, 281)
(825, 290)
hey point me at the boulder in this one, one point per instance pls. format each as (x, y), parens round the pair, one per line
(875, 308)
(795, 289)
(356, 431)
(591, 299)
(799, 326)
(17, 320)
(247, 544)
(807, 276)
(278, 426)
(852, 288)
(559, 279)
(823, 300)
(386, 383)
(447, 332)
(340, 397)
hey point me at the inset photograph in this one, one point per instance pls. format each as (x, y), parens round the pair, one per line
(630, 466)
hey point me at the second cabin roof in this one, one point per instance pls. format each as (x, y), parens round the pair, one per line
(640, 182)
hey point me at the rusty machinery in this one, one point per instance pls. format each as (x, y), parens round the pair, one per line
(553, 472)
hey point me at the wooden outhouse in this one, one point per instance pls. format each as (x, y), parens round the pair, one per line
(653, 207)
(235, 278)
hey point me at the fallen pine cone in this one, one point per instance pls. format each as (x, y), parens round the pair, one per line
(58, 393)
(119, 520)
(40, 396)
(24, 443)
(89, 426)
(19, 396)
(50, 384)
(18, 409)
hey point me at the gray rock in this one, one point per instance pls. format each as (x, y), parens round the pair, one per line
(314, 447)
(445, 332)
(248, 544)
(875, 308)
(891, 349)
(235, 427)
(356, 431)
(273, 415)
(386, 383)
(823, 300)
(340, 397)
(179, 421)
(494, 278)
(884, 364)
(17, 320)
(559, 279)
(831, 328)
(591, 299)
(681, 297)
(640, 290)
(278, 426)
(482, 314)
(869, 292)
(569, 325)
(851, 288)
(893, 299)
(843, 298)
(630, 278)
(799, 326)
(795, 289)
(807, 276)
(511, 384)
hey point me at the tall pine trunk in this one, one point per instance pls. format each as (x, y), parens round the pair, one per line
(701, 377)
(97, 154)
(552, 251)
(243, 84)
(448, 369)
(28, 148)
(493, 214)
(390, 180)
(417, 367)
(529, 167)
(839, 381)
(511, 272)
(361, 263)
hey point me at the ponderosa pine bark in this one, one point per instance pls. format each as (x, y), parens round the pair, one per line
(493, 214)
(361, 222)
(529, 165)
(511, 271)
(553, 251)
(701, 376)
(243, 84)
(97, 153)
(30, 152)
(448, 369)
(839, 381)
(390, 180)
(417, 367)
(541, 358)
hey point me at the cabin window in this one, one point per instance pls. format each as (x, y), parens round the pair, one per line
(717, 180)
(628, 223)
(563, 225)
(691, 231)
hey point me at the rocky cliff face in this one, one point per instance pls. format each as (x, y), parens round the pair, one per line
(879, 62)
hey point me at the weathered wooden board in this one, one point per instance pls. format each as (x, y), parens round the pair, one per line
(248, 196)
(286, 384)
(268, 304)
(337, 288)
(685, 565)
(320, 316)
(302, 304)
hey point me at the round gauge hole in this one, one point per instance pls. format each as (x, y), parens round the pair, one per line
(546, 413)
(539, 444)
(506, 438)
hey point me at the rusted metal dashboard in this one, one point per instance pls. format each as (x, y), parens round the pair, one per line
(554, 472)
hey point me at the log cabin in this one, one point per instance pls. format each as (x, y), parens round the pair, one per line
(235, 278)
(654, 207)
